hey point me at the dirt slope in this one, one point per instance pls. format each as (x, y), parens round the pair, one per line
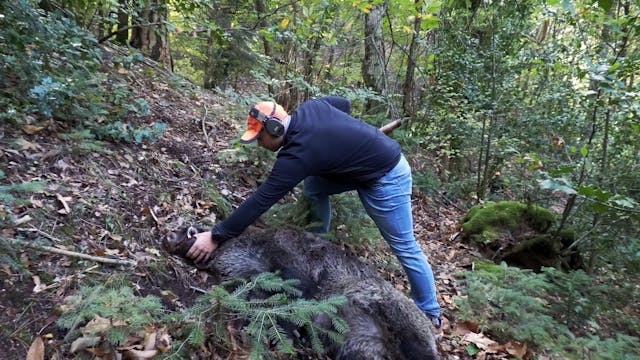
(117, 203)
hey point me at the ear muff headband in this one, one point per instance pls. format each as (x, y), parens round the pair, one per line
(272, 124)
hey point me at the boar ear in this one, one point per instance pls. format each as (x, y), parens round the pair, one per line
(191, 232)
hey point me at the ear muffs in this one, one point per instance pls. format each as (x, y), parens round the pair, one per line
(272, 124)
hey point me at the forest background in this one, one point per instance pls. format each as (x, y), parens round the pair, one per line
(528, 101)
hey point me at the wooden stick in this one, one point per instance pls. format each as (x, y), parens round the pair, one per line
(70, 253)
(387, 129)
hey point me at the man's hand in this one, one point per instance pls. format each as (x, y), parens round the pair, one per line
(202, 248)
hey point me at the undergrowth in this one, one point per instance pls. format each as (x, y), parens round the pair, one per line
(52, 69)
(350, 223)
(268, 307)
(555, 312)
(126, 313)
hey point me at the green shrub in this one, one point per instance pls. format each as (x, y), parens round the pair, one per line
(427, 182)
(49, 68)
(127, 312)
(550, 310)
(264, 315)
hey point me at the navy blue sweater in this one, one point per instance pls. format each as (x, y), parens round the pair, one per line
(322, 140)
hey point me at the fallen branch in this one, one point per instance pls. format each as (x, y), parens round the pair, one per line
(69, 253)
(204, 128)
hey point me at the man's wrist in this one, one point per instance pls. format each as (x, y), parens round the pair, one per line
(216, 238)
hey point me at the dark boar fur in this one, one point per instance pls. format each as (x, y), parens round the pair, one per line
(383, 322)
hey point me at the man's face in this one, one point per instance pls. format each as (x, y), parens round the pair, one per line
(269, 142)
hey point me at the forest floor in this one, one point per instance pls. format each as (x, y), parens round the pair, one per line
(117, 203)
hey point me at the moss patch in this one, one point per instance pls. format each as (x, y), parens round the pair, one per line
(483, 223)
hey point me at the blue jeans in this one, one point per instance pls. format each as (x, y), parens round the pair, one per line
(388, 203)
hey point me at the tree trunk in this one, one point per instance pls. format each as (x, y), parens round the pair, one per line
(373, 71)
(408, 88)
(309, 66)
(151, 35)
(261, 9)
(122, 37)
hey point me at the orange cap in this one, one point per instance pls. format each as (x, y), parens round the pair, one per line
(254, 126)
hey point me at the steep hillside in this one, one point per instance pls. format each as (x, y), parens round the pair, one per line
(114, 200)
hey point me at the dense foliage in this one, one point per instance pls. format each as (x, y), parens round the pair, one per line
(554, 311)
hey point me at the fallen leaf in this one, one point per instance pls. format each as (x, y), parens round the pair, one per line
(66, 210)
(153, 251)
(112, 252)
(98, 325)
(39, 286)
(516, 348)
(149, 211)
(479, 340)
(495, 348)
(32, 129)
(26, 145)
(84, 342)
(464, 327)
(131, 182)
(150, 339)
(6, 269)
(62, 165)
(447, 299)
(163, 341)
(117, 238)
(36, 350)
(36, 203)
(143, 257)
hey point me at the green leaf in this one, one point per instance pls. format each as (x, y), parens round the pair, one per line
(472, 350)
(584, 151)
(600, 208)
(595, 193)
(624, 202)
(605, 4)
(563, 170)
(553, 185)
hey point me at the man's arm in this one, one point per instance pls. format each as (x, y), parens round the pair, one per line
(286, 174)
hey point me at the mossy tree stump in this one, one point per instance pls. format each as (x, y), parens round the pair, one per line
(520, 235)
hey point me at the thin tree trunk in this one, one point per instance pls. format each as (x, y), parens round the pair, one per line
(408, 88)
(373, 73)
(261, 9)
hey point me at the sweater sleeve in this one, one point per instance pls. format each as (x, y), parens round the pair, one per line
(287, 172)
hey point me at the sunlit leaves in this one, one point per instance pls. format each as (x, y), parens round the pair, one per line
(560, 184)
